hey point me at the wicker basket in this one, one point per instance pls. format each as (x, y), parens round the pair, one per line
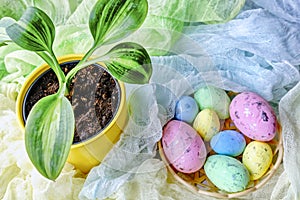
(198, 182)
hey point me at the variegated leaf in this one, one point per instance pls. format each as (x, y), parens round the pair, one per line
(34, 31)
(113, 20)
(49, 134)
(130, 63)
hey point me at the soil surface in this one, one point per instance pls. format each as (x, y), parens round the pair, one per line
(94, 95)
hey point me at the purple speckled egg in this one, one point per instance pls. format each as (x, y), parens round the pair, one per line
(253, 116)
(183, 147)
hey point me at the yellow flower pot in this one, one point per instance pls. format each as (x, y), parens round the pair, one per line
(90, 152)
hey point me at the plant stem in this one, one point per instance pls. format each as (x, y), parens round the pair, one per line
(59, 71)
(54, 65)
(87, 55)
(79, 66)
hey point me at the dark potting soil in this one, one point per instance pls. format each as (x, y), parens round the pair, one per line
(94, 95)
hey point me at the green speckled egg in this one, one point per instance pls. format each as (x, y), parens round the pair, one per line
(213, 98)
(257, 157)
(227, 173)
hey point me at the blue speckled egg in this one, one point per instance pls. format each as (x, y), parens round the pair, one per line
(186, 109)
(227, 173)
(228, 142)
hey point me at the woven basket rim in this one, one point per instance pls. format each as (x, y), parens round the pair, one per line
(221, 194)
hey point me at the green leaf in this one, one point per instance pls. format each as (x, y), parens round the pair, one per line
(4, 23)
(13, 9)
(49, 134)
(3, 43)
(158, 34)
(58, 10)
(34, 31)
(130, 63)
(207, 11)
(113, 20)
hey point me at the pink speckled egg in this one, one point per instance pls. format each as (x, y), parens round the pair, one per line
(183, 147)
(253, 116)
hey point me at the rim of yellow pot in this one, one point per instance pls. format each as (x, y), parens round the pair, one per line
(39, 70)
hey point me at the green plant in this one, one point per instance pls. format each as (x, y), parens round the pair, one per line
(49, 129)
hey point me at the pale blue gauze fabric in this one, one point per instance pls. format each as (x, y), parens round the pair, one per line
(287, 9)
(257, 51)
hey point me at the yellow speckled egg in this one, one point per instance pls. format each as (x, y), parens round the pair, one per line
(257, 158)
(207, 124)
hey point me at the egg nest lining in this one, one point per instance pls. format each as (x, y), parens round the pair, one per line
(198, 181)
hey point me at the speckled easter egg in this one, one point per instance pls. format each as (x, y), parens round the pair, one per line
(207, 124)
(253, 116)
(257, 157)
(228, 142)
(186, 109)
(183, 147)
(227, 173)
(213, 98)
